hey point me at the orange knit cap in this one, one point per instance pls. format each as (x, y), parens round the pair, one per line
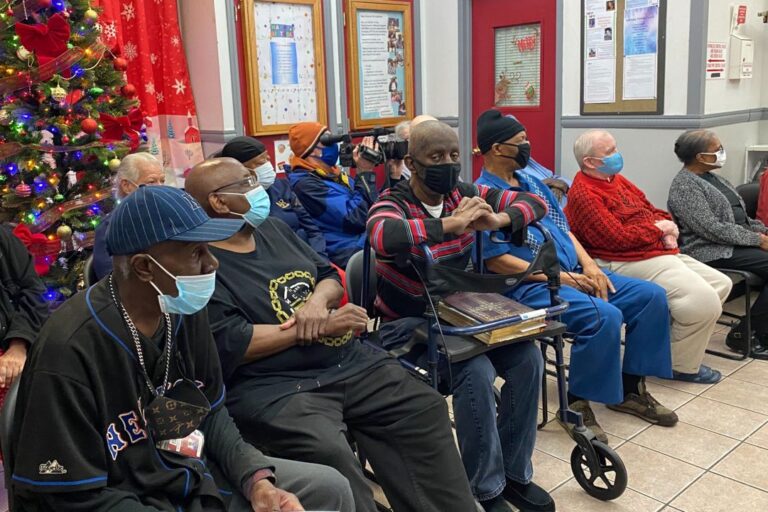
(303, 137)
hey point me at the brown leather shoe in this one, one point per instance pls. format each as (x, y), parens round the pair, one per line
(583, 408)
(644, 406)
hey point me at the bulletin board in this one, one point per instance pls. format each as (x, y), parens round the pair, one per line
(380, 71)
(623, 45)
(284, 64)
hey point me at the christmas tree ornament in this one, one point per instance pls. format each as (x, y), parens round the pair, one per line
(71, 178)
(89, 125)
(114, 164)
(23, 54)
(128, 90)
(23, 190)
(58, 93)
(58, 197)
(95, 91)
(91, 16)
(120, 64)
(43, 4)
(5, 117)
(64, 232)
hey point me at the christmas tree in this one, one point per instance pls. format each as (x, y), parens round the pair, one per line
(66, 119)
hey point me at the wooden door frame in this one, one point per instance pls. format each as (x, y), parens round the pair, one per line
(466, 116)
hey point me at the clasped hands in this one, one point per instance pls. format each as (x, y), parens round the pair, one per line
(474, 214)
(314, 321)
(669, 233)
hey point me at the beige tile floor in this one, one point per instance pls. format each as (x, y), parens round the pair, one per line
(714, 460)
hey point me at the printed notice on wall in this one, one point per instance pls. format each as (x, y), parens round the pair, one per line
(286, 62)
(716, 60)
(381, 45)
(641, 35)
(600, 51)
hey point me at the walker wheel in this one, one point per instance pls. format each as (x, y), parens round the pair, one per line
(609, 482)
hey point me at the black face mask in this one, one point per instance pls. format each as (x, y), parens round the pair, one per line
(523, 155)
(440, 178)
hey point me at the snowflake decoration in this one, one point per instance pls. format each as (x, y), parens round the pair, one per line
(175, 41)
(159, 97)
(129, 12)
(110, 30)
(153, 58)
(150, 88)
(180, 86)
(130, 50)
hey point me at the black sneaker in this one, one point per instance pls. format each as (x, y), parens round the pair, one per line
(528, 497)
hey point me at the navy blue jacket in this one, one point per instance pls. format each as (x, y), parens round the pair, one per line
(339, 211)
(286, 207)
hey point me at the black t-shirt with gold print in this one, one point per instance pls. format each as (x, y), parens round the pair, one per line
(267, 286)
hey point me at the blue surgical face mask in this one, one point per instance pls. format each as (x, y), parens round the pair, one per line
(330, 154)
(194, 292)
(258, 199)
(266, 174)
(612, 164)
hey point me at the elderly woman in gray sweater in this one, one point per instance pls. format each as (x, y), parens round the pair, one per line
(715, 228)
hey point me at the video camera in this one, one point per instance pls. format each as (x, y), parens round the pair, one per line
(387, 146)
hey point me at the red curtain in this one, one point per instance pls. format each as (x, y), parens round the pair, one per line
(147, 35)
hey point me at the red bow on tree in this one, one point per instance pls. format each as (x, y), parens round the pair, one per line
(48, 41)
(116, 128)
(43, 251)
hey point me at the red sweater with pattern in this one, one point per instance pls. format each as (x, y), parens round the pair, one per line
(614, 220)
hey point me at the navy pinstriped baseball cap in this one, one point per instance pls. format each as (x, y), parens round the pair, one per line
(157, 214)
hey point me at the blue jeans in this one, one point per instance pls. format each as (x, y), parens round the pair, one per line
(493, 449)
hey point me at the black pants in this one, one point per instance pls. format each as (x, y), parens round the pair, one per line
(755, 260)
(400, 424)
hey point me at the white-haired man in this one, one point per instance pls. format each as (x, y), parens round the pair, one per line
(135, 170)
(626, 234)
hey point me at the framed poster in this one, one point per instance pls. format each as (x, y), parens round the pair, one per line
(517, 59)
(381, 63)
(284, 64)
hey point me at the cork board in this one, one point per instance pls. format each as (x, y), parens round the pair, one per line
(598, 59)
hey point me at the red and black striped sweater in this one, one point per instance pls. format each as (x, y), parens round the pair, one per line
(398, 223)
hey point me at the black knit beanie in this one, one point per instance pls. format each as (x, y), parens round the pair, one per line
(243, 149)
(493, 127)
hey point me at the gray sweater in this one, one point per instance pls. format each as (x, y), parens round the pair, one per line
(705, 218)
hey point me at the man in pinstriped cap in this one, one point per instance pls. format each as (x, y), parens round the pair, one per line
(121, 407)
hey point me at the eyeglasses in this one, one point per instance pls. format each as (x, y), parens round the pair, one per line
(250, 181)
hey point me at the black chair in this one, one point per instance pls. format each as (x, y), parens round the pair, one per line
(6, 425)
(744, 282)
(749, 192)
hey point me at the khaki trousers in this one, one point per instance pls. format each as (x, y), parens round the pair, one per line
(695, 292)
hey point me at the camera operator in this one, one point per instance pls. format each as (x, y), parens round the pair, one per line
(338, 203)
(395, 166)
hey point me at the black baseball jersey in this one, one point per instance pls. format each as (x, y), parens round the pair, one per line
(79, 437)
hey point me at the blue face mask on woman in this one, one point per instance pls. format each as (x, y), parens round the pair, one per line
(258, 199)
(194, 292)
(612, 164)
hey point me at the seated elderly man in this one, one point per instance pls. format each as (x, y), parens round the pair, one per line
(629, 236)
(299, 382)
(395, 166)
(338, 203)
(120, 408)
(135, 170)
(284, 204)
(599, 301)
(433, 207)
